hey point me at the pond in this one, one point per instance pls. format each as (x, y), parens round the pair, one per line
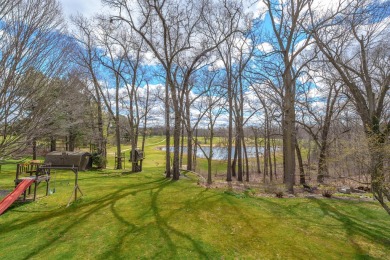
(221, 153)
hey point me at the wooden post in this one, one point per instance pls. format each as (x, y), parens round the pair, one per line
(47, 185)
(35, 189)
(76, 184)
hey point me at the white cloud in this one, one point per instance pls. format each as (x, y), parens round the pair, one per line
(218, 64)
(321, 7)
(86, 7)
(265, 47)
(150, 59)
(314, 93)
(257, 9)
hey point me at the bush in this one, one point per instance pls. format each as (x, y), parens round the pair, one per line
(327, 193)
(99, 160)
(279, 194)
(249, 192)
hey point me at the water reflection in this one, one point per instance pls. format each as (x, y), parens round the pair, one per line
(220, 153)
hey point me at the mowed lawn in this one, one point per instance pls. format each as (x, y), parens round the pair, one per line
(144, 215)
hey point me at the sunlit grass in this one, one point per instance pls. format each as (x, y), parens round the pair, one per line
(144, 215)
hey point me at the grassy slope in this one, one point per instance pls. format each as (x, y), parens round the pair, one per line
(144, 215)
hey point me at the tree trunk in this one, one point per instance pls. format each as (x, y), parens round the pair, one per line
(101, 149)
(271, 170)
(234, 162)
(322, 164)
(176, 145)
(195, 150)
(34, 148)
(274, 156)
(189, 134)
(265, 156)
(300, 163)
(239, 157)
(376, 141)
(118, 144)
(167, 135)
(230, 131)
(53, 144)
(145, 122)
(289, 135)
(257, 152)
(182, 147)
(246, 161)
(72, 141)
(134, 164)
(210, 158)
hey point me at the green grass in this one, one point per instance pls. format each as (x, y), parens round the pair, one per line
(144, 215)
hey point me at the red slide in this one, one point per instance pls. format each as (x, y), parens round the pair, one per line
(10, 198)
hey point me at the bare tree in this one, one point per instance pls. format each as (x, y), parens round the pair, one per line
(6, 7)
(87, 59)
(114, 57)
(31, 42)
(317, 112)
(211, 107)
(174, 31)
(356, 45)
(290, 39)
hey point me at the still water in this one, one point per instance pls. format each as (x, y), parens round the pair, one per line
(220, 153)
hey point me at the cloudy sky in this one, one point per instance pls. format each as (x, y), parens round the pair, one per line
(90, 7)
(85, 7)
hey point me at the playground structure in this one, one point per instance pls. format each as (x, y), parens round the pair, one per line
(14, 195)
(26, 175)
(137, 160)
(31, 171)
(36, 172)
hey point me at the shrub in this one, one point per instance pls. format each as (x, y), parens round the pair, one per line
(99, 160)
(279, 194)
(327, 193)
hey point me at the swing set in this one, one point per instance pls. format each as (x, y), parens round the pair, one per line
(73, 161)
(36, 172)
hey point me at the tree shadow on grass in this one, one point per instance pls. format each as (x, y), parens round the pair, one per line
(79, 212)
(353, 226)
(172, 237)
(168, 230)
(130, 228)
(76, 214)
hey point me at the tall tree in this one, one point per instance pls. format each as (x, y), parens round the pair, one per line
(176, 31)
(211, 107)
(87, 59)
(31, 42)
(290, 39)
(113, 58)
(318, 107)
(356, 44)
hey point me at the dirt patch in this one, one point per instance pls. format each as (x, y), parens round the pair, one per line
(4, 193)
(272, 189)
